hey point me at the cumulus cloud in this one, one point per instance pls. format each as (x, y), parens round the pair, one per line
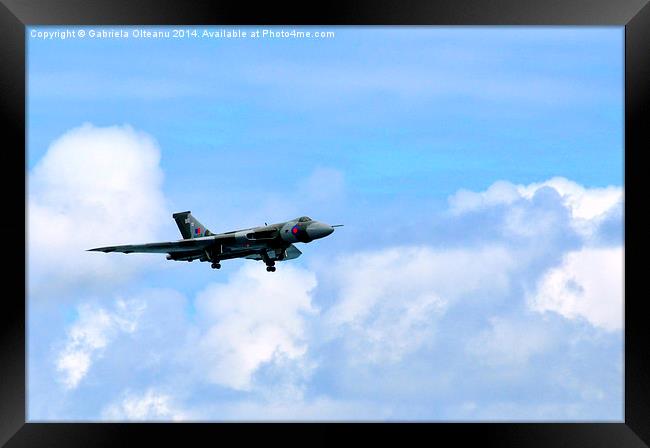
(588, 207)
(251, 320)
(588, 280)
(389, 300)
(500, 192)
(588, 284)
(91, 333)
(390, 323)
(95, 186)
(150, 405)
(584, 203)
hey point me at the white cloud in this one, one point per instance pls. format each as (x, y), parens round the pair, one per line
(500, 192)
(253, 319)
(147, 406)
(587, 206)
(94, 329)
(584, 203)
(390, 300)
(94, 187)
(378, 342)
(588, 284)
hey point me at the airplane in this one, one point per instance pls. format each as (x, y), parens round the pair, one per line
(269, 243)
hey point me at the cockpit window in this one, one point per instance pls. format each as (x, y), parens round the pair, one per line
(304, 219)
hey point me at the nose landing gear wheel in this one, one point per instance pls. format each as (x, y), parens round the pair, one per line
(270, 268)
(216, 266)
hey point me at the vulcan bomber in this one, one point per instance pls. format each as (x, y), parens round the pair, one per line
(268, 243)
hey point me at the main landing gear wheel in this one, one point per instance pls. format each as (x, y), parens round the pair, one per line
(216, 266)
(270, 264)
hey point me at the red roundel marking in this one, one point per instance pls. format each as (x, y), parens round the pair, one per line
(294, 230)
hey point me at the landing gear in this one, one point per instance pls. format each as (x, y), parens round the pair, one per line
(270, 264)
(211, 255)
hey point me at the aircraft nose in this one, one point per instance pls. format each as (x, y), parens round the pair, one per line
(319, 230)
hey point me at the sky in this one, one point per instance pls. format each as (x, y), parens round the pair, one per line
(478, 172)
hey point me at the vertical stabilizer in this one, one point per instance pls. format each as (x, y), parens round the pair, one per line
(189, 226)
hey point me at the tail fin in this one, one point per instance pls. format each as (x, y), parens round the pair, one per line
(189, 226)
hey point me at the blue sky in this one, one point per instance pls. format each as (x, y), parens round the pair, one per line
(479, 175)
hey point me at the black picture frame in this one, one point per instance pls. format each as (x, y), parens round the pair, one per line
(15, 15)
